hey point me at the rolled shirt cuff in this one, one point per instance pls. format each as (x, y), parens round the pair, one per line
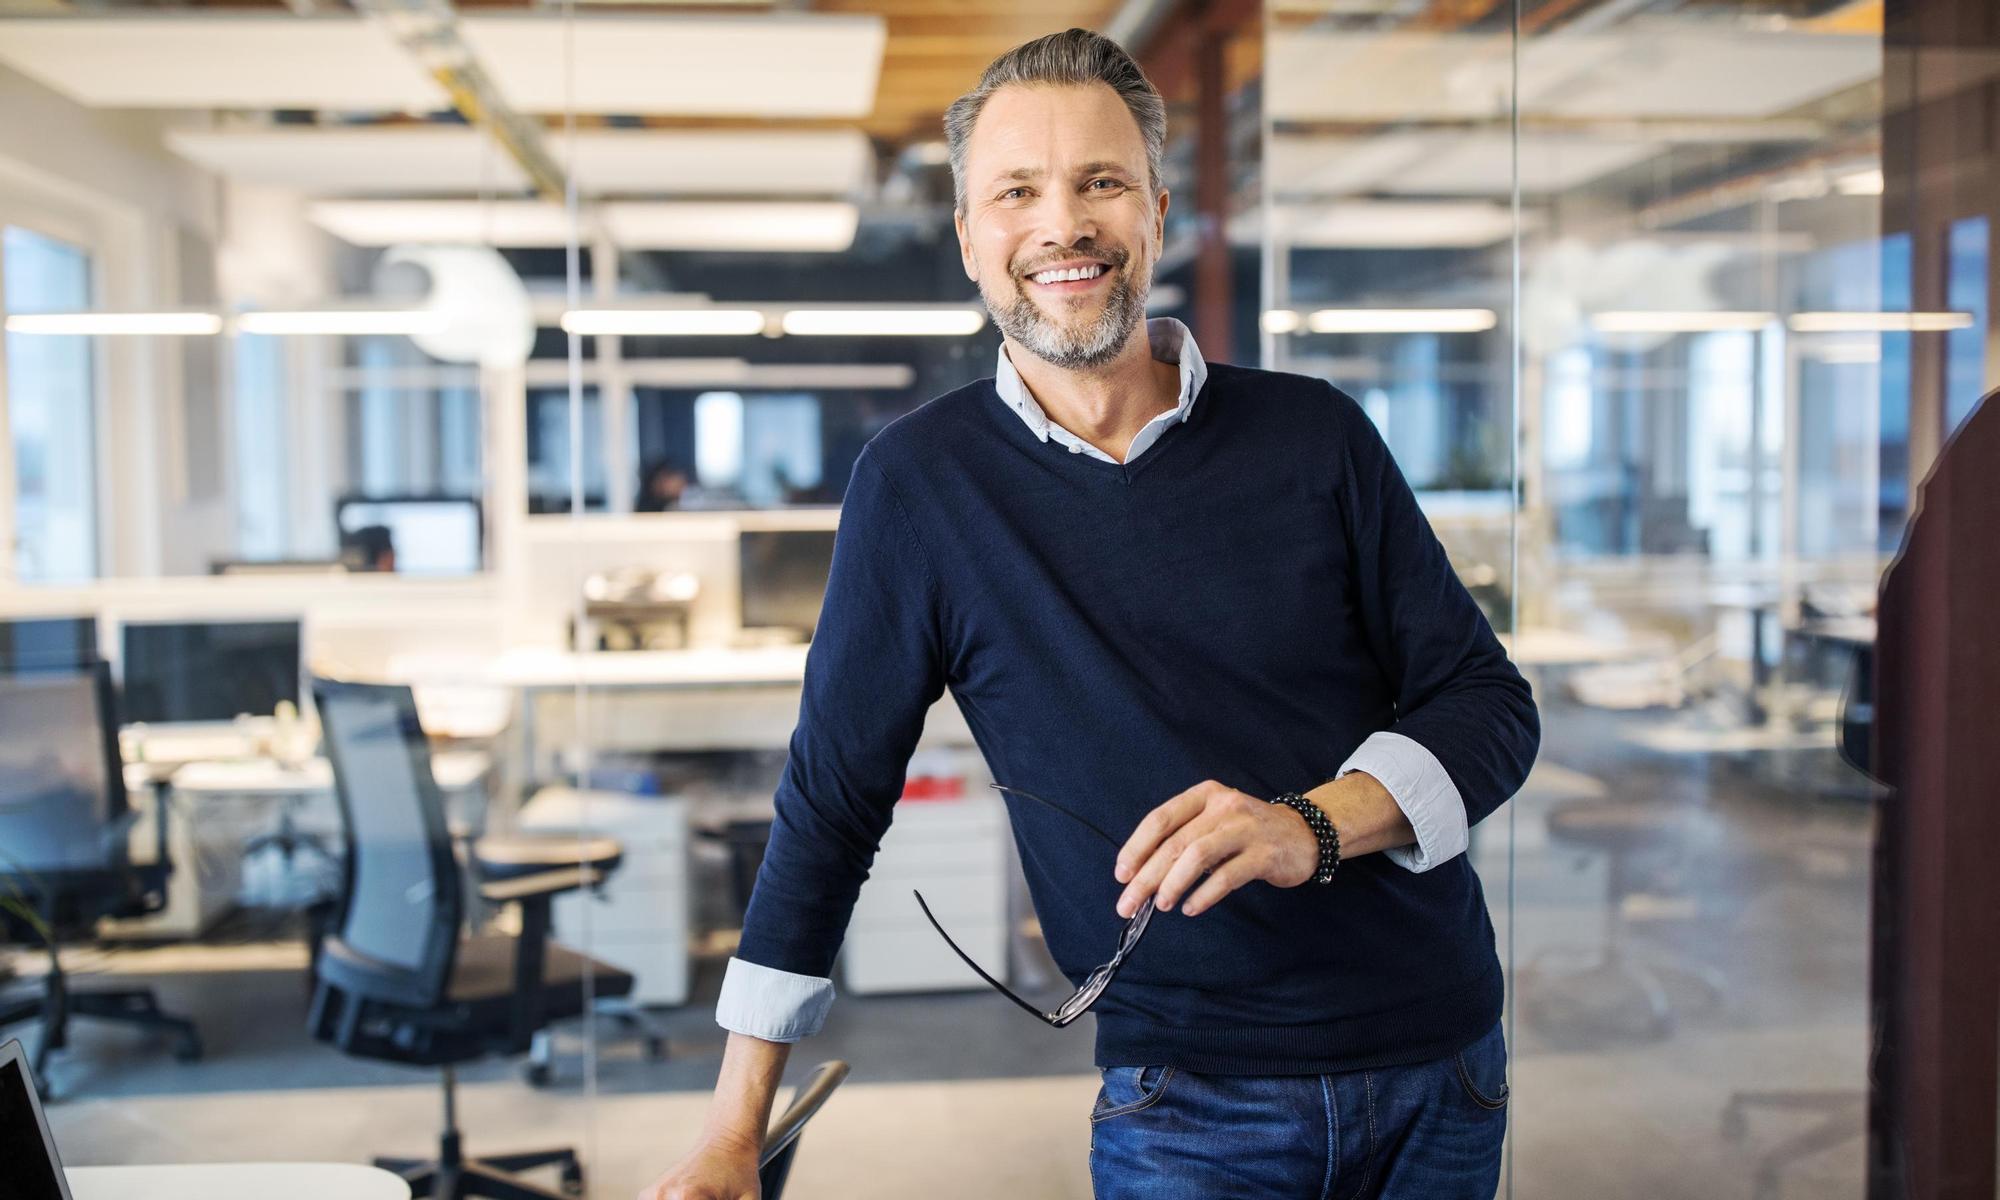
(777, 1006)
(1423, 790)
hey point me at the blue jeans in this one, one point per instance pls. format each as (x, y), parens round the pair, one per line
(1428, 1131)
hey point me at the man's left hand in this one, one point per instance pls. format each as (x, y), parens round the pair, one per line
(1213, 829)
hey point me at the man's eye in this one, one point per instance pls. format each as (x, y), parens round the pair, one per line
(1013, 193)
(1112, 182)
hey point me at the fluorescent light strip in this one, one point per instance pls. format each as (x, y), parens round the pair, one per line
(341, 322)
(1282, 320)
(1878, 322)
(665, 322)
(156, 324)
(1679, 322)
(884, 322)
(1401, 320)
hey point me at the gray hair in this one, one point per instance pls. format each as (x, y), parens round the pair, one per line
(1074, 57)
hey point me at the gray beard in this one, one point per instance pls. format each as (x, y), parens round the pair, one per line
(1073, 349)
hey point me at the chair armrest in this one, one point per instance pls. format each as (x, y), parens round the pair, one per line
(515, 855)
(539, 885)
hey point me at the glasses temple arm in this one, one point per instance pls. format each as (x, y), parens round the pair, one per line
(967, 959)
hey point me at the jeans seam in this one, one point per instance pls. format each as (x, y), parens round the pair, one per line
(1146, 1101)
(1368, 1166)
(1332, 1141)
(1489, 1103)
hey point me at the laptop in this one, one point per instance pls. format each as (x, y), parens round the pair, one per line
(33, 1171)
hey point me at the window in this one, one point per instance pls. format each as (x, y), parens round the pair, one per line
(50, 395)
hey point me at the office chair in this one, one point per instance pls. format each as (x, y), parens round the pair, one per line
(781, 1141)
(400, 977)
(65, 833)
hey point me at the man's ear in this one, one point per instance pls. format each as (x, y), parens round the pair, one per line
(1160, 222)
(965, 257)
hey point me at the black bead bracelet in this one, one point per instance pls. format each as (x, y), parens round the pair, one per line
(1323, 830)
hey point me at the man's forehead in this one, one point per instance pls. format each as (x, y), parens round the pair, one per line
(1028, 131)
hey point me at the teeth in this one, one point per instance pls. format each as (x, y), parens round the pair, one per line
(1090, 272)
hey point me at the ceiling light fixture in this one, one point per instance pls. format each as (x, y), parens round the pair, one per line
(153, 324)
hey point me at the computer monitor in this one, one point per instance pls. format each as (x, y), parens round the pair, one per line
(60, 795)
(418, 535)
(33, 1170)
(783, 577)
(47, 643)
(188, 671)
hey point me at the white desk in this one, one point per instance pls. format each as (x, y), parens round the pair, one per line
(1549, 646)
(237, 1181)
(648, 700)
(455, 771)
(223, 804)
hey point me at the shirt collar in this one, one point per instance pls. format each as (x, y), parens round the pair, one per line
(1169, 340)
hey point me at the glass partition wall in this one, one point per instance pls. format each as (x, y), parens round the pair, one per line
(1612, 281)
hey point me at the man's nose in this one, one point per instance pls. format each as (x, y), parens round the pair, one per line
(1065, 219)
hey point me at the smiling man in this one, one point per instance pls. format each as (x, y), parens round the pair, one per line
(1196, 606)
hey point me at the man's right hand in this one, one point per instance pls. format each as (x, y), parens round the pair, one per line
(723, 1163)
(716, 1169)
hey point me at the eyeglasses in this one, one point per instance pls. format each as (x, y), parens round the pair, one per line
(1094, 984)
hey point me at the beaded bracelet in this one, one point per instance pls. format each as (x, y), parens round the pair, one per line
(1322, 829)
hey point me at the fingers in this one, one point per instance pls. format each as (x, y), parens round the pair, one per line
(1202, 856)
(1195, 833)
(1223, 880)
(1156, 828)
(1185, 841)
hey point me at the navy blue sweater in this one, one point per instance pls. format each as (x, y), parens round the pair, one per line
(1247, 601)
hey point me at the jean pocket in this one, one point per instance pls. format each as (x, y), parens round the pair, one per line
(1482, 1070)
(1129, 1090)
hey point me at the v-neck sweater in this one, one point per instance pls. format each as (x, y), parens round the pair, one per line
(1247, 601)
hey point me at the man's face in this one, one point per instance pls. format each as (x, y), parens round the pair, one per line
(1055, 187)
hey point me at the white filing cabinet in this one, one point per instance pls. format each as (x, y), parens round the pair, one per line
(640, 922)
(954, 851)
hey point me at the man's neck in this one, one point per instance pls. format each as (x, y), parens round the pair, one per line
(1106, 406)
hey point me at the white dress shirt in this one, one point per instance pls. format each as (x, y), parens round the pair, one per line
(780, 1006)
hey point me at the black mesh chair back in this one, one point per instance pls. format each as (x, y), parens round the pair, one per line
(402, 901)
(65, 849)
(63, 807)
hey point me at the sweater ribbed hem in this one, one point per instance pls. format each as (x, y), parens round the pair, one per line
(1428, 1029)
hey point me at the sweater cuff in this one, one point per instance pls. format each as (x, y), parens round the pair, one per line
(777, 1006)
(1423, 790)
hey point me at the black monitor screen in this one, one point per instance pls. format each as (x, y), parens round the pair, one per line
(211, 671)
(30, 1172)
(784, 576)
(47, 643)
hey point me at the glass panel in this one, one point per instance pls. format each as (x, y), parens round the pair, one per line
(1708, 478)
(51, 399)
(1388, 252)
(1966, 288)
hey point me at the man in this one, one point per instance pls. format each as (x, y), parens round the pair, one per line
(1164, 593)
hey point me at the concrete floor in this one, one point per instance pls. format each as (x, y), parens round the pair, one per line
(1766, 889)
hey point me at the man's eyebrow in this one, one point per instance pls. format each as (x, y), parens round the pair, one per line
(1100, 167)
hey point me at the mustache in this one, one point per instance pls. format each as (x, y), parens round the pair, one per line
(1113, 257)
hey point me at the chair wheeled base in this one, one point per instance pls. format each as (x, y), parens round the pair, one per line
(453, 1176)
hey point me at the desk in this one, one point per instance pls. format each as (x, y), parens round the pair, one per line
(225, 803)
(1549, 646)
(649, 700)
(237, 1181)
